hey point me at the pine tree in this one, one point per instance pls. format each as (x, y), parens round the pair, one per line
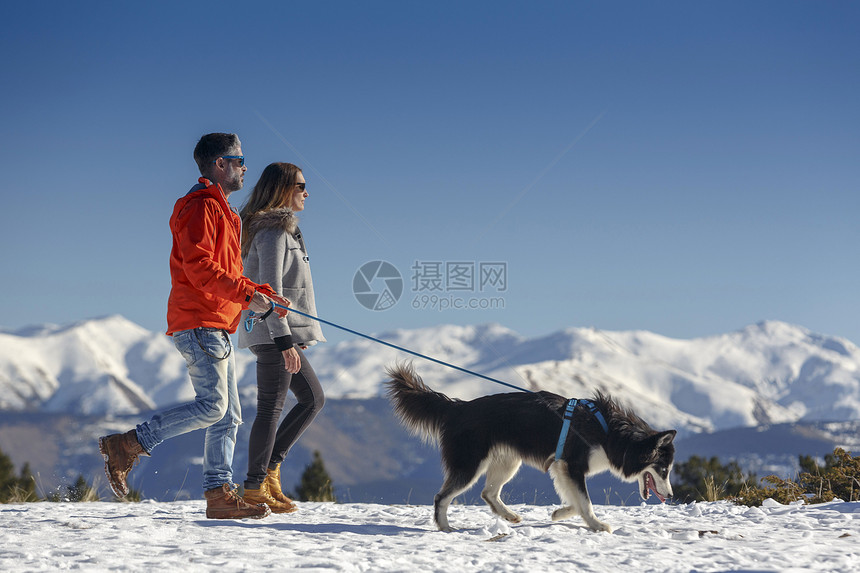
(316, 483)
(7, 478)
(82, 491)
(14, 488)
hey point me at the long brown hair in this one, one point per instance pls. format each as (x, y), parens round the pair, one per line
(272, 191)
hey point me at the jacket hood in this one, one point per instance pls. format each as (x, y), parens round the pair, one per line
(204, 187)
(281, 218)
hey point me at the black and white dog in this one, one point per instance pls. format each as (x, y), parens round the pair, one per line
(495, 434)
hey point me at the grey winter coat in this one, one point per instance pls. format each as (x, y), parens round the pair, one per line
(278, 256)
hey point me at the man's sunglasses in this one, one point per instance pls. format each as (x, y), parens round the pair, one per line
(241, 159)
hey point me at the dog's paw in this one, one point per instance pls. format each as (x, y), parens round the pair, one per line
(447, 529)
(563, 513)
(513, 518)
(599, 526)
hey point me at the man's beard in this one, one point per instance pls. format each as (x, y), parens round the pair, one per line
(233, 184)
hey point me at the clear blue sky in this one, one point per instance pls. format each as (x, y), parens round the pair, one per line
(682, 167)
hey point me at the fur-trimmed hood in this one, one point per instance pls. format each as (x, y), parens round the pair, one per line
(281, 218)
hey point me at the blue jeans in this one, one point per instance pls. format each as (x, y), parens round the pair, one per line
(212, 367)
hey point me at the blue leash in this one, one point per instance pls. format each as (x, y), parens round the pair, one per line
(251, 320)
(568, 413)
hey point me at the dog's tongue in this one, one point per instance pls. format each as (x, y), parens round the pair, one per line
(649, 483)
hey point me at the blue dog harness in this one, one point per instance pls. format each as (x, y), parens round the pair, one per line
(568, 416)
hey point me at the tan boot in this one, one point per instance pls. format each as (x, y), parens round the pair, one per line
(273, 480)
(121, 452)
(224, 503)
(262, 495)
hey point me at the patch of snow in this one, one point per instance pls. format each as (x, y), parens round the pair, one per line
(367, 537)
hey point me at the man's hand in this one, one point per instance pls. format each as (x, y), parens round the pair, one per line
(260, 303)
(292, 362)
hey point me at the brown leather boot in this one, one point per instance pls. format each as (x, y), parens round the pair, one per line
(121, 452)
(273, 480)
(224, 503)
(263, 495)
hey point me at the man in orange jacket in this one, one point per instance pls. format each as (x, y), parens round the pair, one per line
(207, 294)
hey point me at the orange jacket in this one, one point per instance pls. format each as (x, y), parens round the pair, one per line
(207, 286)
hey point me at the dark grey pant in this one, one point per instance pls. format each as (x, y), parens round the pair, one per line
(270, 442)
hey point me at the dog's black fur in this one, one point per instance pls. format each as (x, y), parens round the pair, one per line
(495, 434)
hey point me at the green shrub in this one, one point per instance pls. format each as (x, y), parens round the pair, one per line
(837, 479)
(700, 479)
(782, 490)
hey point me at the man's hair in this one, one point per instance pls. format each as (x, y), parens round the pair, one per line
(212, 146)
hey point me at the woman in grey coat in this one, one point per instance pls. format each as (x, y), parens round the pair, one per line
(274, 252)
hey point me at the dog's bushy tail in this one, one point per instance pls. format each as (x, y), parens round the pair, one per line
(419, 408)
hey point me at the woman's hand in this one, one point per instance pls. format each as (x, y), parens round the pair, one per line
(282, 312)
(292, 361)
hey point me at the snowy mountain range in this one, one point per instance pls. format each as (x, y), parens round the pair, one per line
(767, 373)
(761, 395)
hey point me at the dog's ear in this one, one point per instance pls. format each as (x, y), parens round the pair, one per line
(665, 438)
(655, 446)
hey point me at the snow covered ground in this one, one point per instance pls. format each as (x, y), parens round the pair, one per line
(170, 536)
